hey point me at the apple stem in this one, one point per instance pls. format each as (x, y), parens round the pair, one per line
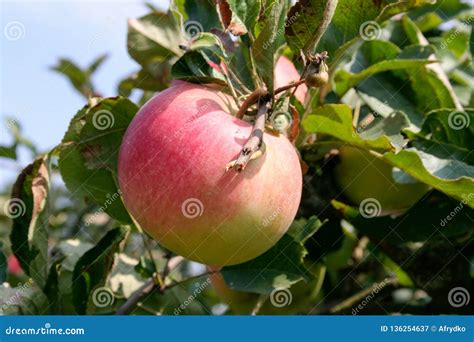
(254, 147)
(262, 94)
(257, 95)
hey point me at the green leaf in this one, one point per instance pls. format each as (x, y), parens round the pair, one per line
(28, 208)
(199, 11)
(302, 232)
(307, 22)
(155, 37)
(268, 41)
(471, 41)
(239, 17)
(89, 153)
(454, 178)
(281, 266)
(450, 126)
(206, 41)
(72, 250)
(14, 128)
(80, 78)
(153, 77)
(345, 81)
(336, 120)
(3, 266)
(434, 218)
(8, 151)
(351, 21)
(51, 288)
(196, 67)
(391, 126)
(382, 94)
(430, 17)
(92, 269)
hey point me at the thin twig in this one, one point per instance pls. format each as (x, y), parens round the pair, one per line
(289, 86)
(155, 282)
(143, 291)
(261, 300)
(359, 296)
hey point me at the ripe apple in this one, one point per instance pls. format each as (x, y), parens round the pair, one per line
(172, 176)
(14, 266)
(301, 296)
(285, 73)
(361, 175)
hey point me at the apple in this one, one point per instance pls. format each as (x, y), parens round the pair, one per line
(172, 177)
(362, 176)
(14, 266)
(285, 73)
(301, 296)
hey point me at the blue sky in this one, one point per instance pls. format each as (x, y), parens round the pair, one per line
(41, 100)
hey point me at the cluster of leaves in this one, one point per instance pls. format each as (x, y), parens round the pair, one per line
(406, 77)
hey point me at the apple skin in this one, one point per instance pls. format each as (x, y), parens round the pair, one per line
(361, 175)
(14, 266)
(285, 73)
(171, 173)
